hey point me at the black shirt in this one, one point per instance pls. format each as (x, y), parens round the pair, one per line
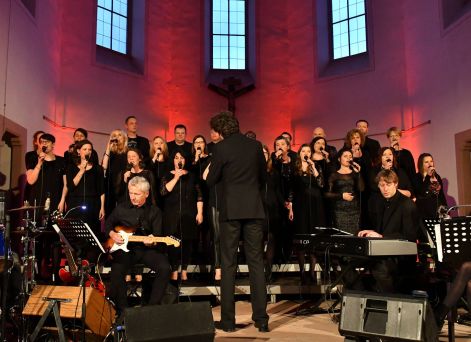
(142, 144)
(186, 147)
(147, 219)
(50, 180)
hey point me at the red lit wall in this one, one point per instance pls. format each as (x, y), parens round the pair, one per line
(418, 72)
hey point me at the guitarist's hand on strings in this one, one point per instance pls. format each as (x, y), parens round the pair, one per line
(116, 237)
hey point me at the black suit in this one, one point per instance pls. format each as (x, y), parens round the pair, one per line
(395, 218)
(238, 166)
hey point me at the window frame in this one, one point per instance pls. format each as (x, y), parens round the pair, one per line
(246, 35)
(331, 31)
(128, 29)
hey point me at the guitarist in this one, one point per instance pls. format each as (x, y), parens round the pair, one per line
(147, 218)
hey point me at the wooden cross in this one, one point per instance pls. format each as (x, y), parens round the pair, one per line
(231, 93)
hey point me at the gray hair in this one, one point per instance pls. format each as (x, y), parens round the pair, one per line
(139, 182)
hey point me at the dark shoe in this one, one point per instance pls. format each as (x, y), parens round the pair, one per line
(262, 327)
(440, 313)
(227, 328)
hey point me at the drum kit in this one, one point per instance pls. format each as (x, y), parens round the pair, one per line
(14, 268)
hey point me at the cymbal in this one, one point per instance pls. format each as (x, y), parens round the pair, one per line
(26, 207)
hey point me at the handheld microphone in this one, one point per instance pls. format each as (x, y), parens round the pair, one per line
(44, 148)
(388, 160)
(87, 157)
(114, 141)
(433, 173)
(129, 166)
(198, 148)
(180, 165)
(305, 158)
(281, 155)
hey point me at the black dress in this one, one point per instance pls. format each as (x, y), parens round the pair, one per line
(184, 195)
(308, 206)
(346, 214)
(159, 169)
(273, 202)
(429, 195)
(86, 193)
(113, 176)
(405, 161)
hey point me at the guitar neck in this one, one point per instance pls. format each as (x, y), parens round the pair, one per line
(138, 238)
(70, 260)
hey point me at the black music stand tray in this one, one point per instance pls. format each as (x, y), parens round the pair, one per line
(78, 233)
(75, 232)
(453, 242)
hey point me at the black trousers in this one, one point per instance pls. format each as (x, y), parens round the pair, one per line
(253, 244)
(122, 263)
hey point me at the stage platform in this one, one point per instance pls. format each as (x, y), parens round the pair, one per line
(286, 325)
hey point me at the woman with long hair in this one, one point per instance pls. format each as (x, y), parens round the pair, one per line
(200, 160)
(136, 167)
(404, 157)
(159, 165)
(344, 188)
(308, 205)
(86, 193)
(114, 164)
(273, 203)
(183, 211)
(428, 186)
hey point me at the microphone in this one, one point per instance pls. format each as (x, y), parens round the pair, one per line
(281, 155)
(198, 148)
(388, 160)
(180, 165)
(159, 151)
(44, 148)
(129, 166)
(114, 141)
(433, 173)
(87, 157)
(305, 158)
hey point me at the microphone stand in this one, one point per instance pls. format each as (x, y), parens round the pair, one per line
(84, 270)
(6, 276)
(456, 207)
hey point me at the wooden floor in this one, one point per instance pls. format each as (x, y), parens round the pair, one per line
(286, 325)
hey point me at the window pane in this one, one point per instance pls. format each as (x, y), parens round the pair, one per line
(348, 27)
(228, 34)
(112, 24)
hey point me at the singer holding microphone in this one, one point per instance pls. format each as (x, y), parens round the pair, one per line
(308, 206)
(404, 157)
(134, 168)
(114, 165)
(344, 188)
(159, 165)
(183, 211)
(428, 187)
(85, 184)
(46, 178)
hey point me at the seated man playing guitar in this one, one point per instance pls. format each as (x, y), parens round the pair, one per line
(146, 219)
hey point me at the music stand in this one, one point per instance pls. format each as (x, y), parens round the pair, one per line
(75, 232)
(78, 233)
(453, 240)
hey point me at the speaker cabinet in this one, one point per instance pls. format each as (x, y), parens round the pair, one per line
(174, 322)
(391, 318)
(100, 313)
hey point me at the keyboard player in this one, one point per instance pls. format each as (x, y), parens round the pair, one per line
(394, 216)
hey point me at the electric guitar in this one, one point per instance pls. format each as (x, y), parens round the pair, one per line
(127, 233)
